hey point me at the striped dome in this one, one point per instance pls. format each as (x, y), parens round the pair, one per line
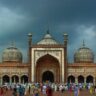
(47, 40)
(84, 54)
(12, 54)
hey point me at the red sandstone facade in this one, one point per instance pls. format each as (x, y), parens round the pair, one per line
(48, 61)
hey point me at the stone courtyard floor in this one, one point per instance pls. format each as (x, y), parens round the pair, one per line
(66, 93)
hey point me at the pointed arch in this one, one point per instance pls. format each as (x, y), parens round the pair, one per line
(89, 79)
(15, 79)
(47, 62)
(80, 79)
(71, 79)
(6, 79)
(24, 79)
(49, 58)
(48, 76)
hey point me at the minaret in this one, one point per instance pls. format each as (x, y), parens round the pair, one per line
(65, 57)
(29, 55)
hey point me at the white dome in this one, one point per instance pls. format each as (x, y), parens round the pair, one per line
(47, 40)
(84, 54)
(11, 54)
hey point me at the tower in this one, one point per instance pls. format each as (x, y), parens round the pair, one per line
(65, 56)
(29, 54)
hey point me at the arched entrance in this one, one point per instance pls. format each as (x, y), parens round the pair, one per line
(47, 64)
(89, 79)
(71, 79)
(6, 79)
(15, 79)
(24, 79)
(48, 76)
(80, 79)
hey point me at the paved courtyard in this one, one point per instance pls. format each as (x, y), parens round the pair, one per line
(66, 93)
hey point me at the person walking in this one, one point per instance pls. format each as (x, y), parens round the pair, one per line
(36, 92)
(76, 91)
(44, 90)
(1, 91)
(70, 90)
(21, 91)
(14, 91)
(91, 90)
(49, 91)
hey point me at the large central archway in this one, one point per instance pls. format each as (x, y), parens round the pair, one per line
(47, 65)
(48, 76)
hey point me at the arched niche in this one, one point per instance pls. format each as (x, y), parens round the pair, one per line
(45, 63)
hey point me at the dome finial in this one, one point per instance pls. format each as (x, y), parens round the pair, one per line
(83, 43)
(12, 44)
(48, 31)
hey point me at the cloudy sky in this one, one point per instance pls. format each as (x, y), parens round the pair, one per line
(76, 17)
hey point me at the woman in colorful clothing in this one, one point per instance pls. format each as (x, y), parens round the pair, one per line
(44, 90)
(1, 91)
(36, 92)
(14, 91)
(49, 91)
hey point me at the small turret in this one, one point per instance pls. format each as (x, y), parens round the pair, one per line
(65, 39)
(65, 56)
(30, 39)
(29, 54)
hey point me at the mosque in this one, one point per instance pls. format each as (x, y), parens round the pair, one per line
(47, 61)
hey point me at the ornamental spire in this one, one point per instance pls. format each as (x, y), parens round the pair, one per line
(12, 44)
(48, 31)
(83, 43)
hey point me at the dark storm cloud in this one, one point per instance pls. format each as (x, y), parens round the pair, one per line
(55, 10)
(19, 17)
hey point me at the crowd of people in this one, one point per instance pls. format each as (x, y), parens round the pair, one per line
(46, 89)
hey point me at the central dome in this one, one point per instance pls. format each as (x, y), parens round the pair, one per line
(47, 40)
(12, 54)
(84, 55)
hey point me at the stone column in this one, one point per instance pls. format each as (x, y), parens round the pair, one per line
(85, 80)
(0, 80)
(10, 80)
(19, 79)
(76, 80)
(94, 81)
